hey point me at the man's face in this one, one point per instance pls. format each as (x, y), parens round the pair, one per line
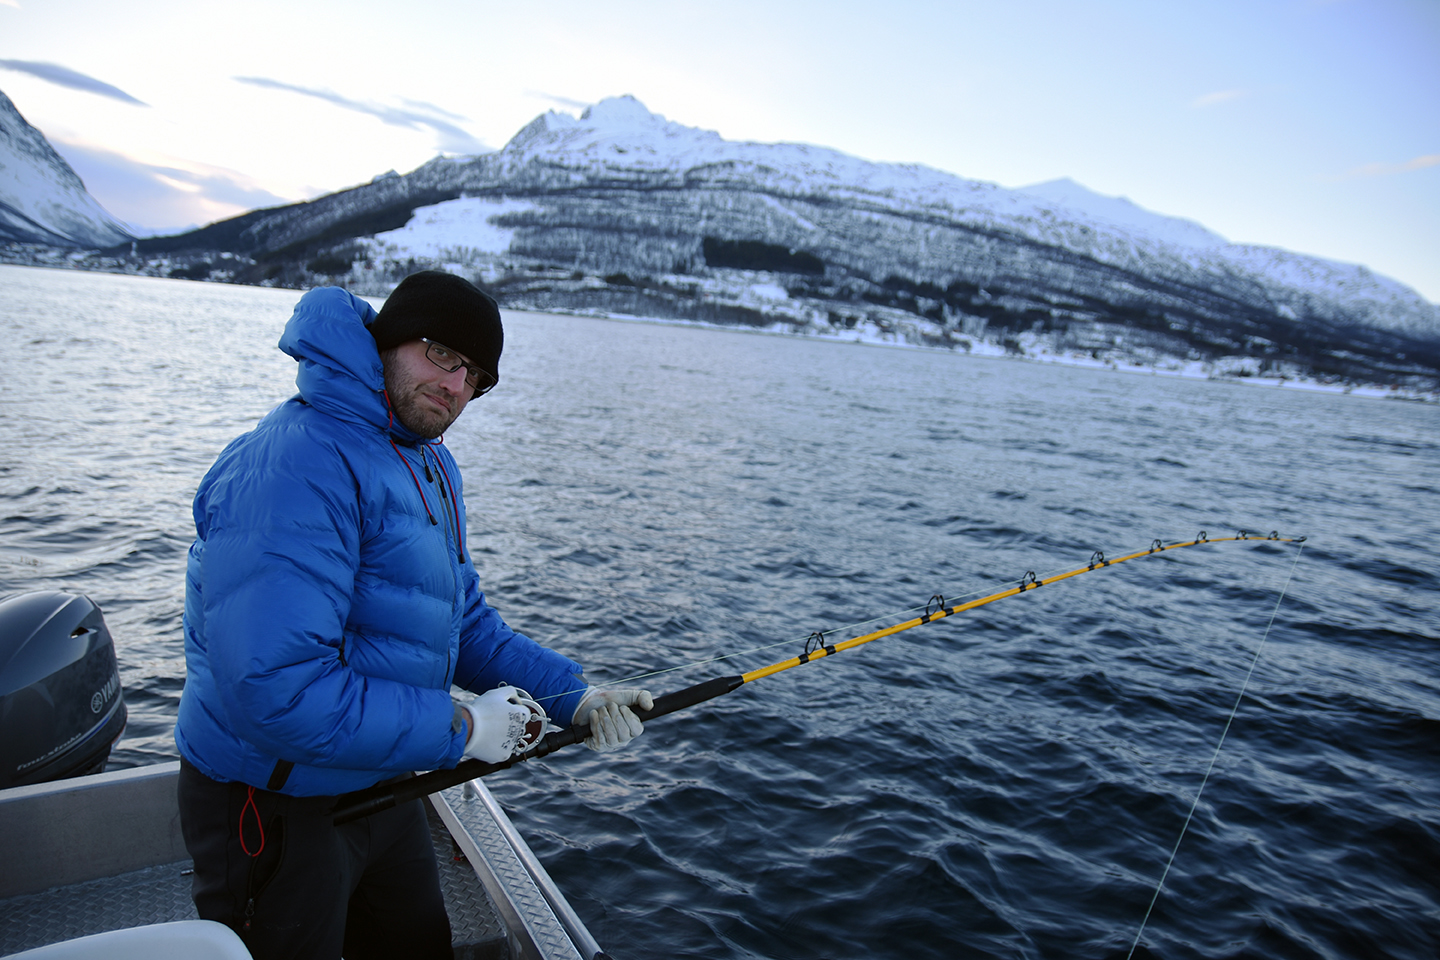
(425, 398)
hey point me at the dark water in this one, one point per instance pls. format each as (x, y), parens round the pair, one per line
(1007, 783)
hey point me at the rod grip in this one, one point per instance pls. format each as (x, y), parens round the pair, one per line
(669, 703)
(699, 693)
(362, 803)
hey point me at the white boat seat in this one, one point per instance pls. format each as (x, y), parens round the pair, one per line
(181, 940)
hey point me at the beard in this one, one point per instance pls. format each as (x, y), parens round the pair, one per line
(413, 410)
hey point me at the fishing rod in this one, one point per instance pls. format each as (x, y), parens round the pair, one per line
(362, 803)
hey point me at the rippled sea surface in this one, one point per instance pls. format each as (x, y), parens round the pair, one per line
(1005, 783)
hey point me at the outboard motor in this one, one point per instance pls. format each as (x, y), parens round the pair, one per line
(60, 703)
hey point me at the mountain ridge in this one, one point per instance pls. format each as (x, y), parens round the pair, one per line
(624, 212)
(42, 199)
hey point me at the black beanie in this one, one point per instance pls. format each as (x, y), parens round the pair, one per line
(447, 309)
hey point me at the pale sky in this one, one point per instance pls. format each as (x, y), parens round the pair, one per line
(1312, 125)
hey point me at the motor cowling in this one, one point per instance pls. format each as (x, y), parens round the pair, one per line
(61, 707)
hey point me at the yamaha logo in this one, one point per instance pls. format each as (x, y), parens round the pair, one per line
(103, 695)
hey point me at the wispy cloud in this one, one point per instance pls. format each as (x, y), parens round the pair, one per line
(452, 138)
(438, 111)
(562, 101)
(163, 197)
(1218, 97)
(1386, 169)
(10, 3)
(65, 77)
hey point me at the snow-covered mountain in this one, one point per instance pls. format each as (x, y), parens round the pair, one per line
(1123, 213)
(42, 200)
(619, 139)
(623, 211)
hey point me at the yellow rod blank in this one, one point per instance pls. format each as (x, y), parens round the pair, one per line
(1024, 587)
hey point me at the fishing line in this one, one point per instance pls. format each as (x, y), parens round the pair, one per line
(1206, 779)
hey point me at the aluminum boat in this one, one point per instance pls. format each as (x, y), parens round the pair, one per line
(85, 853)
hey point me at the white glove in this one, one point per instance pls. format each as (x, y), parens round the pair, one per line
(612, 722)
(504, 722)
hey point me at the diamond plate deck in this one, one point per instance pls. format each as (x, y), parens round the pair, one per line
(476, 931)
(152, 895)
(162, 893)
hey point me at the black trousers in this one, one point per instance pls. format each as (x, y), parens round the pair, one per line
(293, 885)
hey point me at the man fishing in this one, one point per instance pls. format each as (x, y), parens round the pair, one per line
(330, 604)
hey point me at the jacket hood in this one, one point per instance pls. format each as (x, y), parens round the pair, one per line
(340, 371)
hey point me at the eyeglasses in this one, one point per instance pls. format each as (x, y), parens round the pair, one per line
(481, 381)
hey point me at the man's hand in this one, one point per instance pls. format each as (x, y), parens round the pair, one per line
(612, 722)
(502, 723)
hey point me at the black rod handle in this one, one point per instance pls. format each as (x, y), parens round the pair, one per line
(362, 803)
(680, 699)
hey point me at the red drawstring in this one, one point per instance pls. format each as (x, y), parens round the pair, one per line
(421, 490)
(454, 499)
(454, 503)
(250, 805)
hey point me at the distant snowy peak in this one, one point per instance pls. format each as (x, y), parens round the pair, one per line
(620, 133)
(1300, 283)
(607, 131)
(625, 112)
(42, 200)
(1123, 212)
(1291, 279)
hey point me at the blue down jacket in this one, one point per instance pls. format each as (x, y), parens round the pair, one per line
(325, 615)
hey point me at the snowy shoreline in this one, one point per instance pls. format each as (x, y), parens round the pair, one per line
(1184, 370)
(866, 333)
